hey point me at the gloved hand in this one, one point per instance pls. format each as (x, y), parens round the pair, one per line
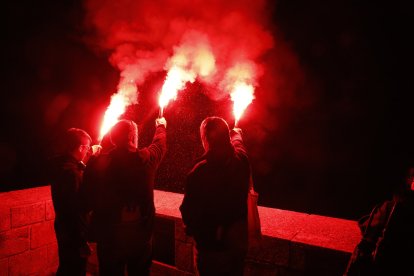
(238, 130)
(96, 150)
(161, 121)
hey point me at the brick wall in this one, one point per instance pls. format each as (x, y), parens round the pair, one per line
(293, 243)
(27, 238)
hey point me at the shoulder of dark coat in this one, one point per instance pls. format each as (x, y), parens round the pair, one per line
(99, 163)
(198, 166)
(67, 163)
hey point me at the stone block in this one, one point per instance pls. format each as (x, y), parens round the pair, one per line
(4, 267)
(287, 271)
(321, 261)
(29, 262)
(184, 259)
(327, 232)
(4, 218)
(161, 269)
(272, 251)
(27, 214)
(14, 241)
(42, 234)
(164, 240)
(297, 256)
(52, 254)
(259, 269)
(50, 210)
(49, 271)
(180, 232)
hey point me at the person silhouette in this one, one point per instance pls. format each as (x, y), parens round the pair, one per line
(118, 191)
(214, 207)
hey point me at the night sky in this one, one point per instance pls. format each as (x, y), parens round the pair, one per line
(327, 132)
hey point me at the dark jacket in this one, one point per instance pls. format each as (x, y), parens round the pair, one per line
(216, 194)
(65, 176)
(388, 236)
(118, 188)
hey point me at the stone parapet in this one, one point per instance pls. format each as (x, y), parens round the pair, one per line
(293, 243)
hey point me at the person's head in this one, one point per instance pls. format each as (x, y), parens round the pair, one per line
(124, 134)
(77, 143)
(404, 179)
(214, 132)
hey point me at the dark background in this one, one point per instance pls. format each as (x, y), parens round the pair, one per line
(334, 145)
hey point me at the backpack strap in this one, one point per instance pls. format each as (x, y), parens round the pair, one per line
(389, 218)
(370, 218)
(384, 231)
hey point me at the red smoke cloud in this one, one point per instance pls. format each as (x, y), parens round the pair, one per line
(143, 37)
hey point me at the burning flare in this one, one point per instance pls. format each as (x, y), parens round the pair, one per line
(175, 80)
(242, 96)
(192, 58)
(239, 83)
(126, 95)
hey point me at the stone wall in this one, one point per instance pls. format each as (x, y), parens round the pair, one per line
(293, 243)
(27, 238)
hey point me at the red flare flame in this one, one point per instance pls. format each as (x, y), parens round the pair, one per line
(242, 96)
